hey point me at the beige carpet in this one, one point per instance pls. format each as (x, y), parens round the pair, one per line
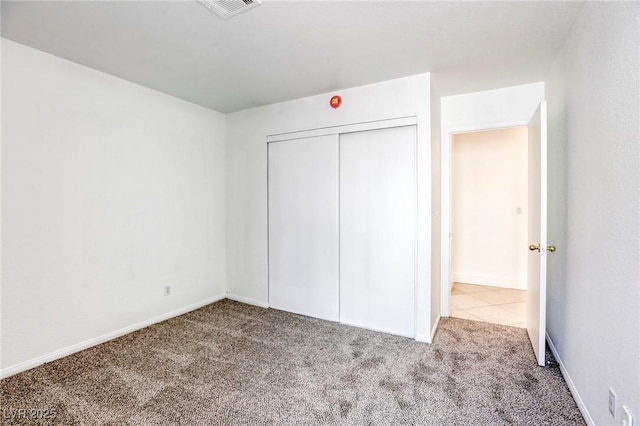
(234, 364)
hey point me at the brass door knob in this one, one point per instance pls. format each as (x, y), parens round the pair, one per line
(534, 247)
(551, 248)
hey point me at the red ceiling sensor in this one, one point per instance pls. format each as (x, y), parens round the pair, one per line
(335, 102)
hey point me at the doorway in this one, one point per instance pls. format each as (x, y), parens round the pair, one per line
(489, 226)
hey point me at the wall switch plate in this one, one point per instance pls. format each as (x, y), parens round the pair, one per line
(612, 402)
(167, 289)
(627, 418)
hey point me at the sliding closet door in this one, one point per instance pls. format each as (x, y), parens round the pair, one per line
(303, 226)
(377, 229)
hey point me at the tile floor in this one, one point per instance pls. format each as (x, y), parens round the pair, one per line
(496, 305)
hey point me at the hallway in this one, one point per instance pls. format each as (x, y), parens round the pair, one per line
(495, 305)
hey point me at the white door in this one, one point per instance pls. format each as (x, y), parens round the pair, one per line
(537, 261)
(303, 226)
(378, 229)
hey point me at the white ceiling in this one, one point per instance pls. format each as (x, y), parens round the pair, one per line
(285, 50)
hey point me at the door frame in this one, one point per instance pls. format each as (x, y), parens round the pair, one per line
(446, 142)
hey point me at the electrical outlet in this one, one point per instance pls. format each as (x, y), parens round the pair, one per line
(627, 418)
(612, 402)
(167, 289)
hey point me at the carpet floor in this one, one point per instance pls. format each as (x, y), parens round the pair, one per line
(235, 364)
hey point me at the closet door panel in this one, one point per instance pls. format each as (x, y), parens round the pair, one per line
(377, 229)
(303, 226)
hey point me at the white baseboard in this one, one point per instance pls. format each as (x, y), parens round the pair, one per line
(494, 281)
(572, 387)
(247, 300)
(378, 330)
(35, 362)
(423, 338)
(428, 338)
(435, 327)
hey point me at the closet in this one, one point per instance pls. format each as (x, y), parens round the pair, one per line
(342, 224)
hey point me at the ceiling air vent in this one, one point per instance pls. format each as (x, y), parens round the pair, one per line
(228, 8)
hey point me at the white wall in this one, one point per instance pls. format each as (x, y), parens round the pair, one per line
(593, 302)
(436, 183)
(489, 208)
(109, 190)
(247, 274)
(492, 109)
